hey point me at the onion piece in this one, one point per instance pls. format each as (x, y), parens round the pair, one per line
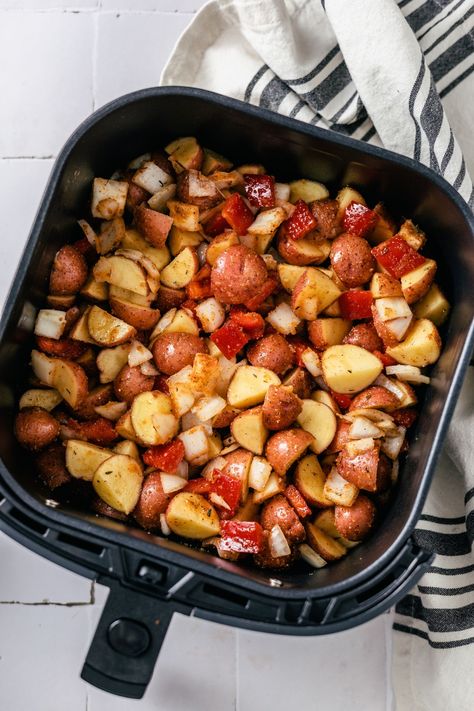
(218, 500)
(43, 367)
(259, 473)
(50, 323)
(311, 362)
(151, 177)
(208, 407)
(137, 162)
(282, 191)
(196, 445)
(138, 354)
(230, 448)
(391, 446)
(183, 470)
(172, 482)
(136, 256)
(408, 373)
(339, 490)
(362, 427)
(358, 446)
(216, 463)
(211, 314)
(89, 233)
(111, 410)
(165, 321)
(159, 199)
(390, 385)
(277, 543)
(283, 319)
(148, 368)
(165, 529)
(368, 412)
(311, 557)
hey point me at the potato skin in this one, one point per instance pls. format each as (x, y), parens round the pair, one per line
(375, 397)
(69, 271)
(288, 249)
(168, 298)
(369, 470)
(51, 467)
(279, 511)
(203, 201)
(98, 396)
(341, 437)
(352, 259)
(226, 417)
(385, 335)
(365, 336)
(355, 522)
(35, 428)
(102, 509)
(131, 382)
(301, 382)
(139, 317)
(237, 274)
(325, 212)
(272, 352)
(264, 559)
(173, 351)
(280, 408)
(285, 447)
(152, 502)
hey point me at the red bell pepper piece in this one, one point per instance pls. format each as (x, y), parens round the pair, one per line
(263, 293)
(166, 457)
(237, 213)
(216, 225)
(229, 488)
(355, 304)
(385, 358)
(405, 417)
(230, 338)
(358, 219)
(241, 536)
(342, 400)
(260, 190)
(251, 322)
(200, 287)
(199, 486)
(297, 501)
(161, 384)
(64, 348)
(99, 431)
(397, 257)
(301, 221)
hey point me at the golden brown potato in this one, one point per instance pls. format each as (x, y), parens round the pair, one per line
(96, 397)
(173, 351)
(152, 502)
(280, 408)
(375, 397)
(118, 482)
(355, 522)
(185, 153)
(220, 244)
(348, 369)
(237, 274)
(195, 188)
(107, 330)
(300, 380)
(277, 511)
(369, 469)
(365, 336)
(152, 418)
(384, 286)
(285, 447)
(169, 298)
(69, 271)
(249, 386)
(320, 421)
(181, 270)
(309, 480)
(302, 252)
(272, 352)
(70, 380)
(249, 431)
(352, 259)
(140, 317)
(51, 466)
(225, 418)
(415, 284)
(327, 547)
(130, 382)
(422, 345)
(341, 437)
(433, 305)
(192, 516)
(325, 332)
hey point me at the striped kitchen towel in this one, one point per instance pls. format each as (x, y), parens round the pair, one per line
(401, 75)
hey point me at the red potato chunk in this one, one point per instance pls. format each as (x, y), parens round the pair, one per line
(325, 212)
(280, 408)
(272, 352)
(355, 522)
(365, 336)
(35, 428)
(352, 260)
(369, 470)
(278, 511)
(377, 398)
(51, 467)
(69, 271)
(285, 447)
(237, 274)
(153, 225)
(152, 502)
(173, 351)
(130, 382)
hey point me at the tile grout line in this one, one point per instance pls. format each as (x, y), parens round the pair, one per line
(93, 10)
(95, 50)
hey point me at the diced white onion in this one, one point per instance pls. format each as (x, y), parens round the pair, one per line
(190, 419)
(322, 384)
(89, 233)
(339, 490)
(208, 407)
(50, 323)
(277, 543)
(165, 529)
(391, 446)
(408, 373)
(216, 463)
(218, 500)
(151, 177)
(165, 321)
(230, 448)
(43, 367)
(362, 427)
(311, 557)
(398, 326)
(159, 199)
(196, 445)
(283, 319)
(259, 473)
(392, 307)
(211, 314)
(371, 413)
(311, 362)
(172, 482)
(267, 222)
(138, 354)
(137, 162)
(360, 445)
(282, 191)
(148, 368)
(390, 385)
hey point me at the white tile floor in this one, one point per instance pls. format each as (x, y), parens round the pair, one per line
(60, 59)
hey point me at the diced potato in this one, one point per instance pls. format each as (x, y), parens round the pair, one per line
(118, 482)
(320, 421)
(267, 222)
(213, 162)
(43, 367)
(160, 256)
(383, 286)
(125, 429)
(416, 283)
(180, 239)
(36, 397)
(327, 547)
(153, 419)
(220, 244)
(192, 516)
(345, 196)
(307, 190)
(129, 448)
(412, 234)
(326, 398)
(184, 215)
(422, 345)
(107, 329)
(185, 154)
(70, 381)
(159, 199)
(211, 314)
(349, 369)
(275, 485)
(289, 275)
(122, 272)
(325, 332)
(110, 362)
(310, 479)
(283, 319)
(111, 410)
(433, 306)
(205, 373)
(385, 226)
(83, 459)
(249, 431)
(304, 299)
(181, 322)
(108, 198)
(95, 290)
(181, 270)
(249, 386)
(151, 177)
(338, 490)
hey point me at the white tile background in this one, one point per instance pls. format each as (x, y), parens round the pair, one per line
(59, 60)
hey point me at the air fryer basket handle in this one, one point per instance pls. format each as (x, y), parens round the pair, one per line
(127, 641)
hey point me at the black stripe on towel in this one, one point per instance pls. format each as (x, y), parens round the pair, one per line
(253, 81)
(452, 85)
(440, 519)
(452, 544)
(424, 14)
(318, 68)
(273, 94)
(431, 119)
(451, 644)
(463, 570)
(438, 620)
(448, 31)
(452, 57)
(429, 590)
(447, 157)
(411, 105)
(441, 19)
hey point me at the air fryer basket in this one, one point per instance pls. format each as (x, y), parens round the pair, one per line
(151, 577)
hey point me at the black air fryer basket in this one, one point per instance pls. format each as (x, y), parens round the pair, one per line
(150, 577)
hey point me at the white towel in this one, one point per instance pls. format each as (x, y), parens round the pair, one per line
(399, 75)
